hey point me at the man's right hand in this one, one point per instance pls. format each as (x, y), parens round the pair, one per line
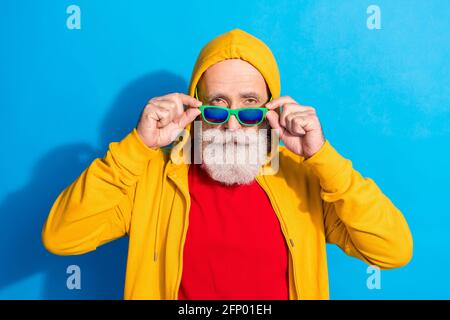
(164, 118)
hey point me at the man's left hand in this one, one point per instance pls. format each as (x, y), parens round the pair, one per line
(298, 126)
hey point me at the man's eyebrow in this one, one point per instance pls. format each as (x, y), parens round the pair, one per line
(219, 95)
(250, 94)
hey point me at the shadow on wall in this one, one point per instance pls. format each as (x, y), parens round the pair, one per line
(24, 211)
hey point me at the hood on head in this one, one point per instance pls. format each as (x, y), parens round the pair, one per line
(238, 44)
(234, 44)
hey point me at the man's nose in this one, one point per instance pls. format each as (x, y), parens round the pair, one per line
(232, 123)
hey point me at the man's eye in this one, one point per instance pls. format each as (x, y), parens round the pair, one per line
(217, 100)
(251, 101)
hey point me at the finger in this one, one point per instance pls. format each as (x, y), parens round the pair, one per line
(300, 124)
(180, 99)
(305, 114)
(188, 100)
(297, 107)
(291, 107)
(310, 121)
(175, 109)
(288, 120)
(308, 108)
(285, 115)
(299, 111)
(278, 102)
(188, 117)
(149, 112)
(274, 122)
(288, 109)
(156, 99)
(164, 116)
(273, 118)
(295, 126)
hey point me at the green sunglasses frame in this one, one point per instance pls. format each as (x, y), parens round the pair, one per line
(234, 112)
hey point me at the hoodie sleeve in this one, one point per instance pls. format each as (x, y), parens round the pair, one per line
(96, 208)
(358, 217)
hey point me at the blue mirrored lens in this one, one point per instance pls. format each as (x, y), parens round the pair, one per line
(215, 115)
(251, 116)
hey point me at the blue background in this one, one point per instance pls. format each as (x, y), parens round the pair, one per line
(382, 97)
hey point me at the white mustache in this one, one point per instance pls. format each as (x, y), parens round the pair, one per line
(240, 137)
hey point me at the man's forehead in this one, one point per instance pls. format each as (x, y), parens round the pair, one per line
(236, 84)
(212, 81)
(232, 70)
(242, 93)
(232, 63)
(233, 76)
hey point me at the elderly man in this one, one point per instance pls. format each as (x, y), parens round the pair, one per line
(220, 228)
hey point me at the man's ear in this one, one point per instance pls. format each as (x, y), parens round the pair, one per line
(199, 89)
(196, 92)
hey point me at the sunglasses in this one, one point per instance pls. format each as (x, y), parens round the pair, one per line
(251, 116)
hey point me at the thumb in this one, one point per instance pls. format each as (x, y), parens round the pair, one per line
(189, 116)
(189, 101)
(273, 118)
(274, 121)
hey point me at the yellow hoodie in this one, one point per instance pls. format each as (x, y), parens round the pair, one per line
(143, 193)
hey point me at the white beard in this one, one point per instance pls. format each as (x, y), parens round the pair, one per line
(233, 157)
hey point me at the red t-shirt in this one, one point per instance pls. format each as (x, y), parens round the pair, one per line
(234, 246)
